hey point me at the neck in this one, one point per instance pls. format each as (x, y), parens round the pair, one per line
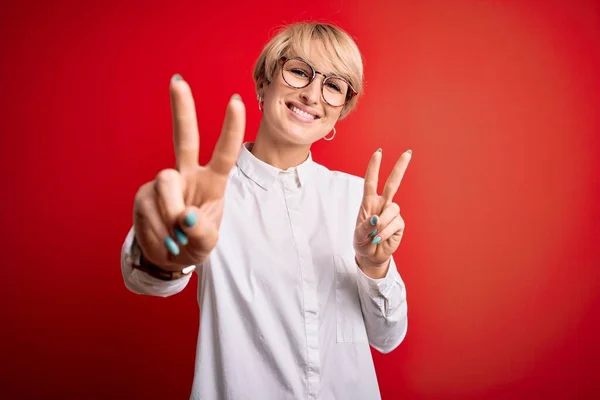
(279, 154)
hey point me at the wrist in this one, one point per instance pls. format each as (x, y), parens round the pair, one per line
(141, 263)
(372, 270)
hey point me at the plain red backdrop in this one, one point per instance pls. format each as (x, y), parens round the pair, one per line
(499, 101)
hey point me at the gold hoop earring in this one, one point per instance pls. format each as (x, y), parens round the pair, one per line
(332, 136)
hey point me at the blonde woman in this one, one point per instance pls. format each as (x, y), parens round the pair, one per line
(294, 261)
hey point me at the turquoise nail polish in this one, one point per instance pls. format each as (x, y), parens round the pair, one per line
(236, 97)
(373, 220)
(171, 246)
(176, 77)
(190, 219)
(379, 150)
(409, 152)
(373, 233)
(181, 237)
(376, 240)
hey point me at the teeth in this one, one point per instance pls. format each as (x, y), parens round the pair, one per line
(302, 113)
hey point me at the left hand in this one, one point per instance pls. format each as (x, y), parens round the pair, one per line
(379, 226)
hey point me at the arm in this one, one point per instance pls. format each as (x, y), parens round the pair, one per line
(378, 233)
(140, 282)
(384, 307)
(176, 216)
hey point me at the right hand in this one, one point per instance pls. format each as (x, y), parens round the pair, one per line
(182, 208)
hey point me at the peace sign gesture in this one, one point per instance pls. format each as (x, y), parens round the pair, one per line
(379, 226)
(178, 214)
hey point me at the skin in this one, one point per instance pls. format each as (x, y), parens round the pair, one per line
(182, 208)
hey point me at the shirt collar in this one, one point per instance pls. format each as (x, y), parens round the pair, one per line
(264, 174)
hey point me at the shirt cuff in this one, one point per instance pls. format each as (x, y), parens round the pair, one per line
(382, 286)
(132, 255)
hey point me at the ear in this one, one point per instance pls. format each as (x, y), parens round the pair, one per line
(260, 87)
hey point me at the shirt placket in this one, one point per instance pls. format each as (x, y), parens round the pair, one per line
(291, 191)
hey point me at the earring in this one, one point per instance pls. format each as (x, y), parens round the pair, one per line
(261, 104)
(332, 136)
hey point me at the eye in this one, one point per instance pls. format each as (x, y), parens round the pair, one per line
(300, 72)
(334, 86)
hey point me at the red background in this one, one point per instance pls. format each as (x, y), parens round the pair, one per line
(499, 101)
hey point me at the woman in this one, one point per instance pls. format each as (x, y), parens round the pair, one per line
(296, 275)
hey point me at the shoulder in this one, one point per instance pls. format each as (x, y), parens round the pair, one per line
(340, 181)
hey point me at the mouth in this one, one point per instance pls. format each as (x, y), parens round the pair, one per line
(301, 113)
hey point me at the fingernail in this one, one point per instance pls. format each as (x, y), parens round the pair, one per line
(379, 150)
(181, 237)
(409, 152)
(376, 240)
(236, 97)
(177, 77)
(190, 219)
(373, 220)
(373, 233)
(171, 246)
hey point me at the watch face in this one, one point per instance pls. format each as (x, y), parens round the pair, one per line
(187, 270)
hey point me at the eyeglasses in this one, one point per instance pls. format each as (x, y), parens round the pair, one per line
(297, 73)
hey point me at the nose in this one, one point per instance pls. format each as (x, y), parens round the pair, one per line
(312, 93)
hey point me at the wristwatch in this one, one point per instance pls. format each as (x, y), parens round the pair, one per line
(138, 261)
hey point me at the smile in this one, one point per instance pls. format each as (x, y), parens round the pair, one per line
(301, 113)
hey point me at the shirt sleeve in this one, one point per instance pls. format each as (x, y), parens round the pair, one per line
(140, 282)
(384, 307)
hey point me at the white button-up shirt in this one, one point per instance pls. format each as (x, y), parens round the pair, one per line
(285, 311)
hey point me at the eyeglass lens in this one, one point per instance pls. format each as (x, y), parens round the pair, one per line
(299, 74)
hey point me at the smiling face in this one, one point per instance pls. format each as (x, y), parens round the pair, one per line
(300, 115)
(295, 110)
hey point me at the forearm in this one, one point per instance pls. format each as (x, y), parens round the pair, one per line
(384, 307)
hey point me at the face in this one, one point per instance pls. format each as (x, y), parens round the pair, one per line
(301, 116)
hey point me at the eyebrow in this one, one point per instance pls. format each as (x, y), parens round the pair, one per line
(328, 73)
(311, 63)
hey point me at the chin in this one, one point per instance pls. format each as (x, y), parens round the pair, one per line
(295, 135)
(293, 132)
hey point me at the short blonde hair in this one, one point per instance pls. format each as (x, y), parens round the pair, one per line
(341, 54)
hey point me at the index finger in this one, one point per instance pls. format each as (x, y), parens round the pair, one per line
(186, 139)
(230, 141)
(393, 182)
(372, 174)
